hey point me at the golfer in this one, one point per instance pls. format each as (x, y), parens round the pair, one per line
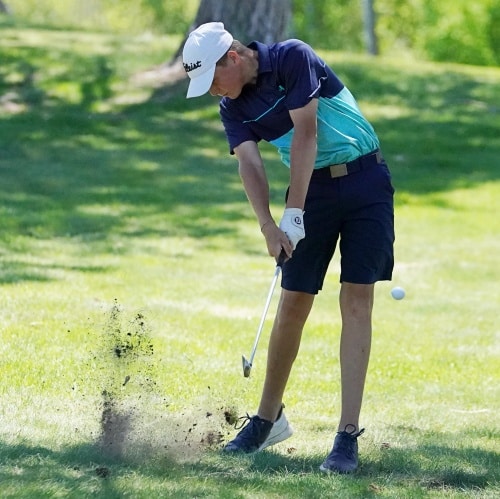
(340, 192)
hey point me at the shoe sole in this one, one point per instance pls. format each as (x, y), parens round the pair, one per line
(336, 471)
(278, 433)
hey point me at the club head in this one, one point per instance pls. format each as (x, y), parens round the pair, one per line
(247, 367)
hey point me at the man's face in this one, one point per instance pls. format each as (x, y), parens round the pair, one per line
(228, 81)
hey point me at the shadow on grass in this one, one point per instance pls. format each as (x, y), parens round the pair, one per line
(83, 469)
(161, 168)
(436, 467)
(37, 471)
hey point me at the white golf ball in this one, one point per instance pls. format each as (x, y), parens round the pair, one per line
(398, 293)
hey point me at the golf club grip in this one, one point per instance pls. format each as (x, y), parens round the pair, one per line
(281, 258)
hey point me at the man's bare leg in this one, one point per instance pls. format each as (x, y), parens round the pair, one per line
(356, 304)
(292, 313)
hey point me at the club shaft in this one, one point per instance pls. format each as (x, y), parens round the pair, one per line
(266, 308)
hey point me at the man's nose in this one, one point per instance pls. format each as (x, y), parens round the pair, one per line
(213, 90)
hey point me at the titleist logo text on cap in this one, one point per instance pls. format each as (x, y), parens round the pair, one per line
(192, 66)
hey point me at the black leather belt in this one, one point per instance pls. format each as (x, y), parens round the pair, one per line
(342, 169)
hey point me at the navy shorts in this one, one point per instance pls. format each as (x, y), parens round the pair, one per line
(356, 210)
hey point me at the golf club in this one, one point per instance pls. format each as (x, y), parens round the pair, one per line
(247, 364)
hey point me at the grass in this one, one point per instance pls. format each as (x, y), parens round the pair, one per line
(123, 224)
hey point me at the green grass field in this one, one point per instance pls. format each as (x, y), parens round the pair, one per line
(133, 276)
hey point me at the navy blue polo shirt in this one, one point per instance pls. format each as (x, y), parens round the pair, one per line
(290, 74)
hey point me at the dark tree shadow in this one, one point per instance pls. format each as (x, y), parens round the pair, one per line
(420, 466)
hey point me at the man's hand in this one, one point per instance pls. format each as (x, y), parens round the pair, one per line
(292, 224)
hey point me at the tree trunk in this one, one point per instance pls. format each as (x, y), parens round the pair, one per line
(4, 8)
(369, 26)
(264, 20)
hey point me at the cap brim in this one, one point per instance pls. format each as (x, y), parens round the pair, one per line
(201, 84)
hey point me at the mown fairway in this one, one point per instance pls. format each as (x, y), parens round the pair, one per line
(133, 276)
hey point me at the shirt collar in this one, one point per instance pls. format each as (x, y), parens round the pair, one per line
(265, 65)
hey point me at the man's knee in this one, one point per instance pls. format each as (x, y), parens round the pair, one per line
(356, 301)
(294, 306)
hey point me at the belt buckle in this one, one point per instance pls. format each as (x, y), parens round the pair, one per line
(338, 170)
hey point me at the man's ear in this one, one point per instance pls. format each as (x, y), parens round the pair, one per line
(233, 56)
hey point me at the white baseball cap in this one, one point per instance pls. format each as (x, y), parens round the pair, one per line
(203, 48)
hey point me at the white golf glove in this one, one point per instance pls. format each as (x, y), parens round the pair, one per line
(292, 224)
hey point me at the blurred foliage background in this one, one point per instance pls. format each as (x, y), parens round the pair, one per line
(446, 30)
